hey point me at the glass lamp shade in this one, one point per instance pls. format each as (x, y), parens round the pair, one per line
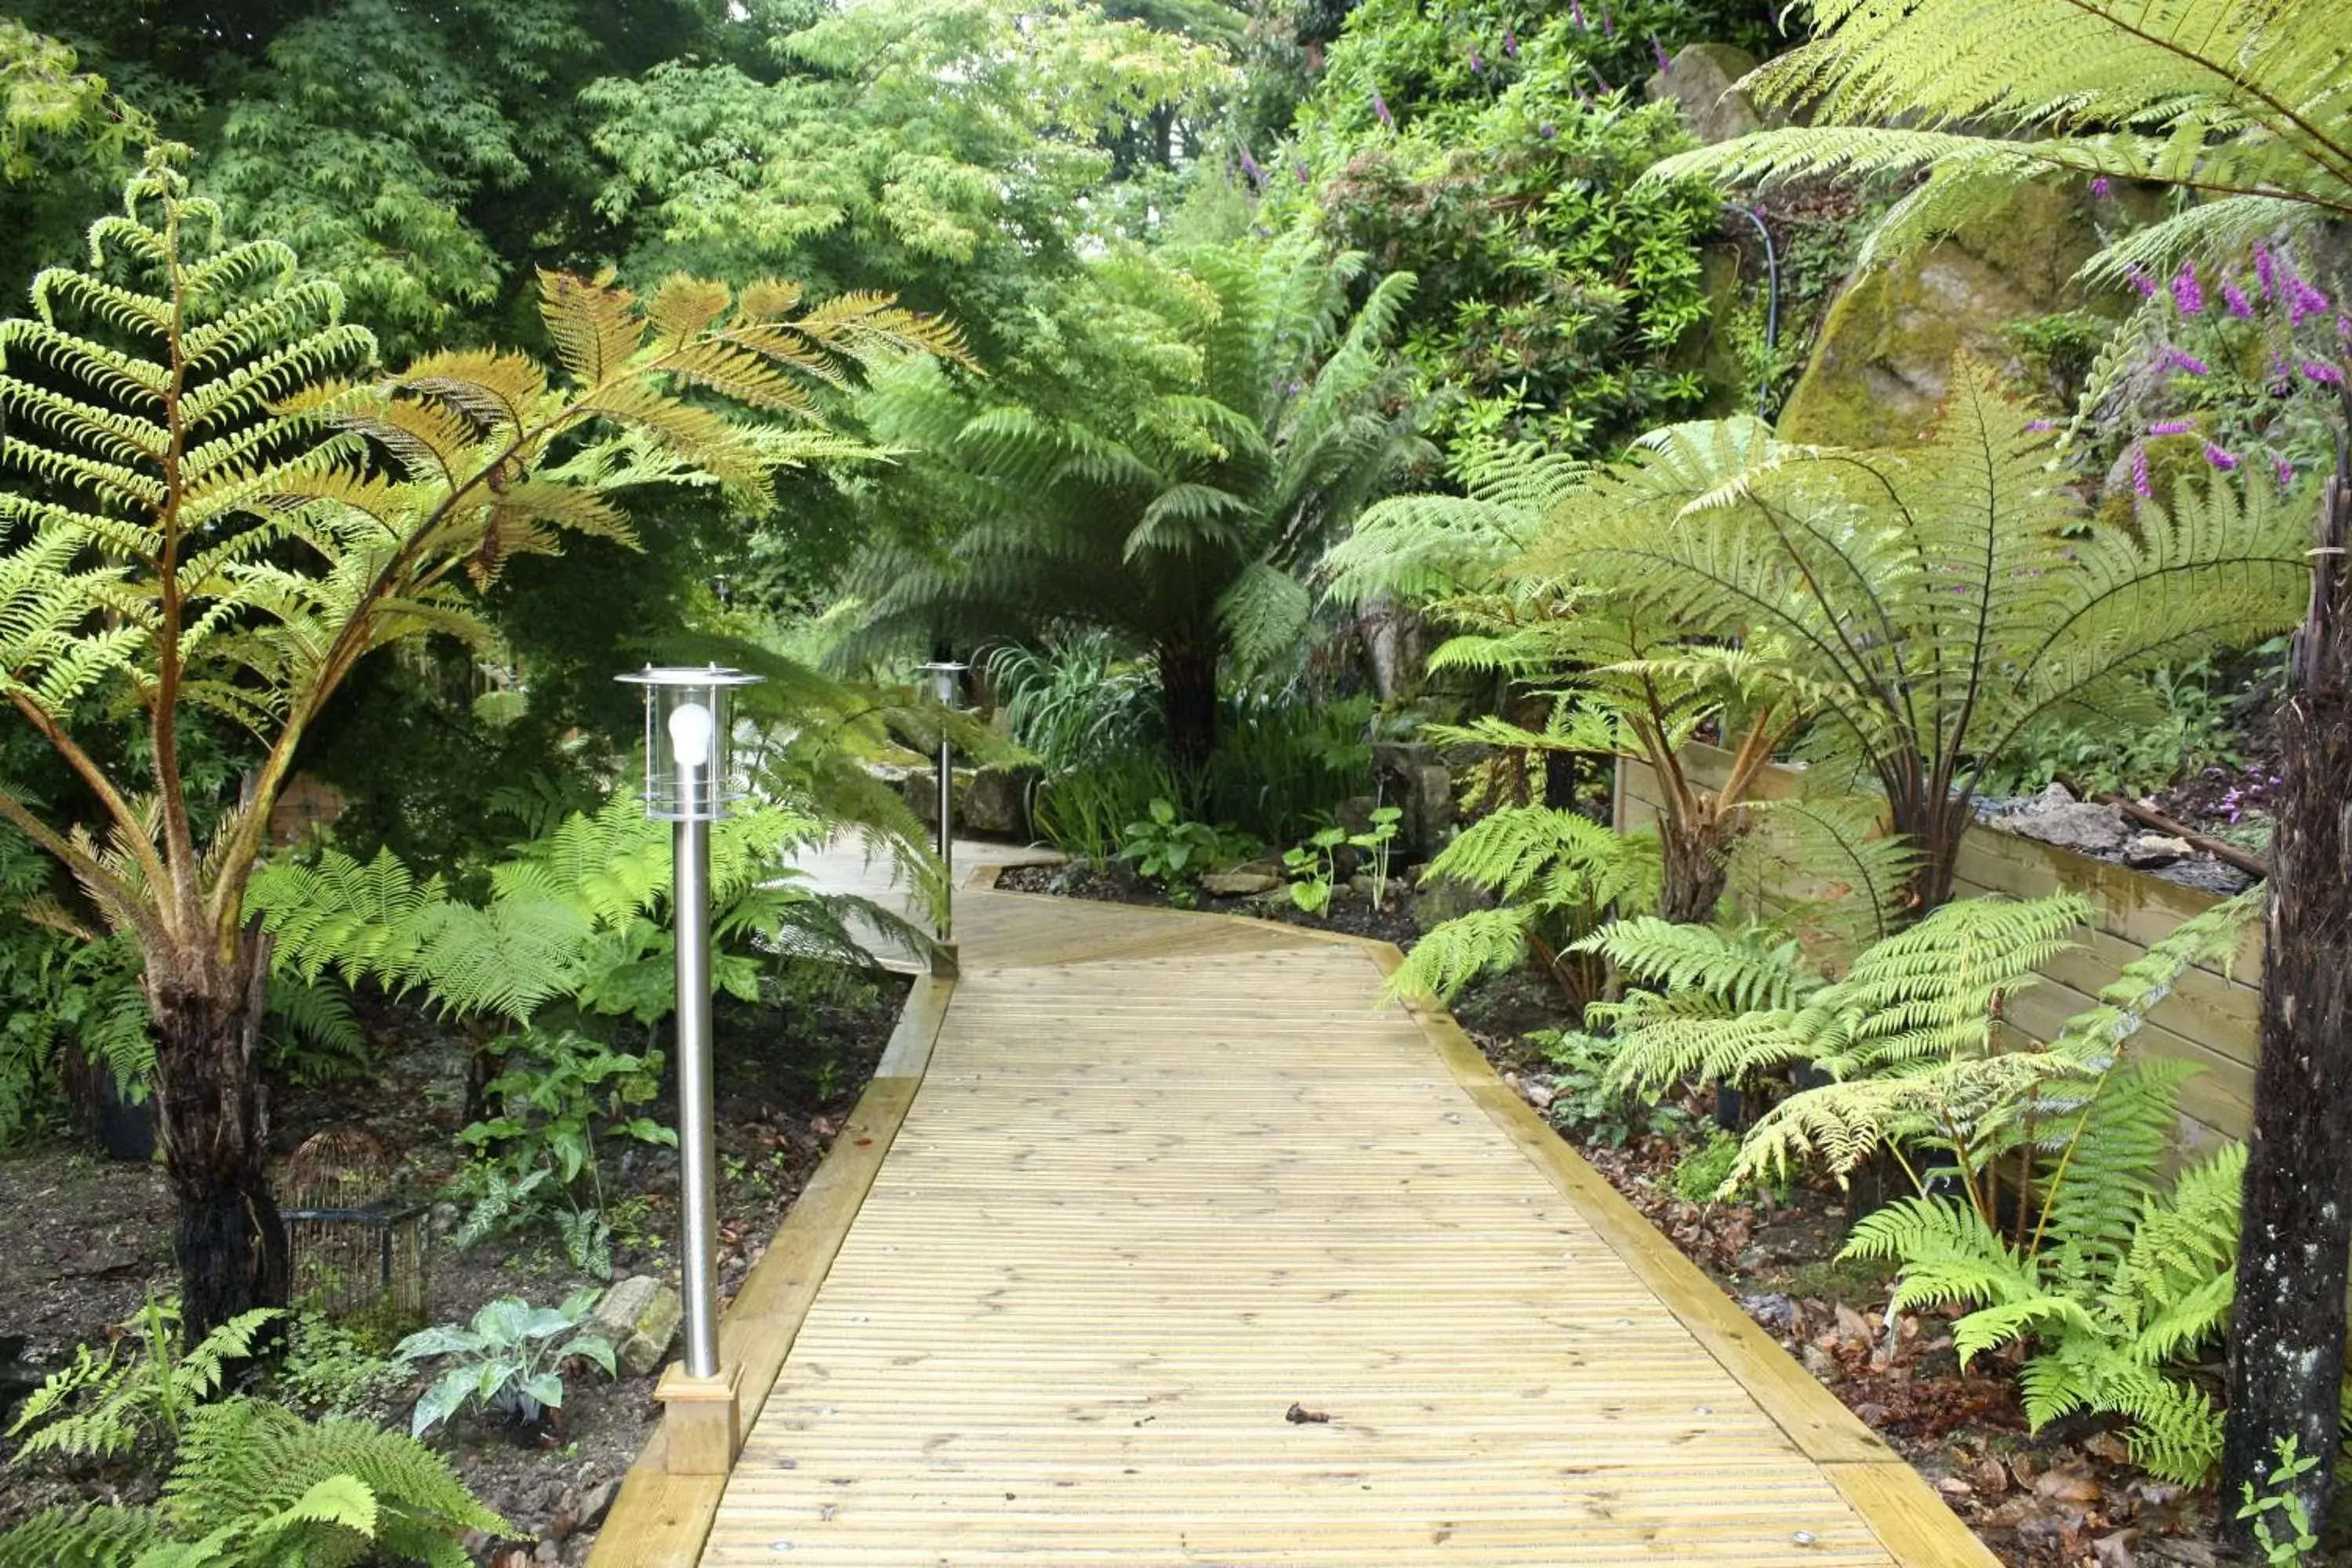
(940, 680)
(689, 752)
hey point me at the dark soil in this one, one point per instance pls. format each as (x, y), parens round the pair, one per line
(89, 1239)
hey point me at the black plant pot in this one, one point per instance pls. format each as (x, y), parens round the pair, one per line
(125, 1132)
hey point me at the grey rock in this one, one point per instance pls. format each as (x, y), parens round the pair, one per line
(1775, 1310)
(639, 1317)
(1447, 898)
(2207, 874)
(997, 802)
(1416, 781)
(1821, 1364)
(1239, 883)
(1701, 82)
(2084, 827)
(595, 1503)
(2149, 851)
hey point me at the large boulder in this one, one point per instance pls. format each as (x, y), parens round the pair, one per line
(1702, 82)
(996, 802)
(1415, 780)
(1884, 362)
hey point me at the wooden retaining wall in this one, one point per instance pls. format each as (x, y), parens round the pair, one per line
(2212, 1016)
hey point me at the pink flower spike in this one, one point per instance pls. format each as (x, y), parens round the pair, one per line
(2187, 294)
(2285, 472)
(2321, 372)
(2101, 189)
(1576, 9)
(2266, 270)
(1510, 41)
(2140, 485)
(2220, 459)
(1659, 51)
(2172, 427)
(2235, 298)
(2141, 281)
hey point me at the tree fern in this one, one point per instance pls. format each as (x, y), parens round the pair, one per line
(2241, 100)
(1926, 605)
(213, 502)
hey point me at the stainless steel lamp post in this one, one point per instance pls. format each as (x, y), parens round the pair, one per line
(688, 785)
(941, 676)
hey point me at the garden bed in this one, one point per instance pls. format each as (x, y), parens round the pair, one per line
(91, 1241)
(2066, 1497)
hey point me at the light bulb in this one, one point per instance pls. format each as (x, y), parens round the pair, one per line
(691, 734)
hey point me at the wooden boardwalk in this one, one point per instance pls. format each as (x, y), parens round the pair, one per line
(1162, 1239)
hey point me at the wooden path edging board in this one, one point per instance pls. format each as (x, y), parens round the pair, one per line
(662, 1521)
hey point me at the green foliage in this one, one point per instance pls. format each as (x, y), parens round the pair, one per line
(509, 1360)
(2290, 1549)
(138, 1390)
(2238, 99)
(1072, 703)
(538, 1155)
(1586, 1100)
(1173, 851)
(1084, 812)
(1928, 606)
(44, 95)
(2112, 1276)
(1488, 148)
(2189, 728)
(1704, 1169)
(331, 1370)
(1557, 873)
(1179, 515)
(255, 1486)
(2106, 1323)
(1314, 865)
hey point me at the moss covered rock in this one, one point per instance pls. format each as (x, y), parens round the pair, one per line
(1880, 368)
(1702, 82)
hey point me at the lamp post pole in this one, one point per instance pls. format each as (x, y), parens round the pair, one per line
(687, 783)
(697, 1097)
(943, 674)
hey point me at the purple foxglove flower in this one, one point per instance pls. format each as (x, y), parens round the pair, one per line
(2101, 188)
(1510, 41)
(2220, 459)
(2285, 472)
(1576, 9)
(2304, 301)
(2187, 294)
(2173, 359)
(1250, 167)
(1659, 51)
(1381, 108)
(2235, 298)
(1477, 66)
(2172, 427)
(2266, 270)
(2321, 372)
(1608, 22)
(2141, 281)
(2140, 485)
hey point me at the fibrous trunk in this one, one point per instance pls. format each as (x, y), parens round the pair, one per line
(2287, 1357)
(1188, 686)
(1696, 864)
(229, 1242)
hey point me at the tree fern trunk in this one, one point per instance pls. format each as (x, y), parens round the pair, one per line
(2287, 1360)
(1188, 686)
(229, 1242)
(1697, 865)
(2289, 1319)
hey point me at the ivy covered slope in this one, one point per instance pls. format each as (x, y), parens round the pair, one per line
(1495, 151)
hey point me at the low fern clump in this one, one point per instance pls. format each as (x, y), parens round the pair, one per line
(255, 1486)
(2039, 1198)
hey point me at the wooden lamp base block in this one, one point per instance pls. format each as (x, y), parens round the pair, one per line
(702, 1420)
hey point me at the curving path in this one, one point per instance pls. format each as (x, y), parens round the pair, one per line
(1163, 1239)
